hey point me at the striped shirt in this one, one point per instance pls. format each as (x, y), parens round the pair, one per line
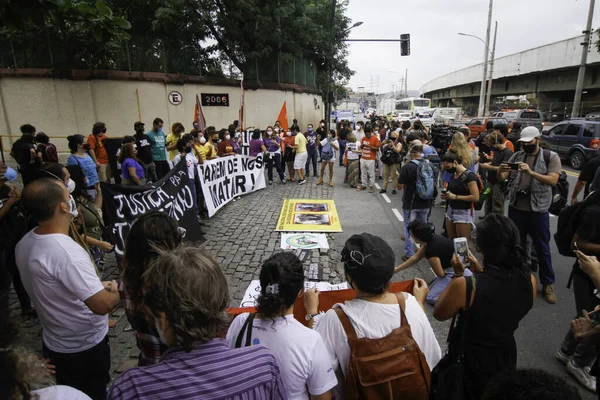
(210, 371)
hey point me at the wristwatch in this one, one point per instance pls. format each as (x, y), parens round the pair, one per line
(310, 316)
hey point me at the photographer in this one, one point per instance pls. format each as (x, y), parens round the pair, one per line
(391, 159)
(534, 172)
(495, 202)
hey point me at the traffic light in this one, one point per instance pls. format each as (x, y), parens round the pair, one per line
(405, 44)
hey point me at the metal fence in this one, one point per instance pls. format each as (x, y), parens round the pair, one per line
(38, 51)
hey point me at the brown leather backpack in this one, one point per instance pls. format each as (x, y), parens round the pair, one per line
(391, 367)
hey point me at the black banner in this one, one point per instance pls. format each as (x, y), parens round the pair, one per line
(122, 205)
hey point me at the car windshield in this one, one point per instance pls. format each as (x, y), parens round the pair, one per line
(421, 103)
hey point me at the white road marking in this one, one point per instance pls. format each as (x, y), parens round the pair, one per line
(398, 215)
(387, 199)
(377, 186)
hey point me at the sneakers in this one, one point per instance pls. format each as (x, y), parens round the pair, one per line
(371, 189)
(320, 182)
(330, 184)
(563, 357)
(360, 188)
(270, 183)
(394, 191)
(582, 376)
(301, 181)
(382, 191)
(283, 181)
(549, 295)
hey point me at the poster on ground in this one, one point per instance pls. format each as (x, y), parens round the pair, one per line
(122, 205)
(253, 290)
(304, 241)
(305, 215)
(225, 178)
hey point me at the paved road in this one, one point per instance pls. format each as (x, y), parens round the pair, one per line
(241, 236)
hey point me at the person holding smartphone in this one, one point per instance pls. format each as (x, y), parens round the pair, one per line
(501, 154)
(579, 355)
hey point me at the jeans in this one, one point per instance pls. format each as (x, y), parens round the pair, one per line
(367, 172)
(87, 370)
(342, 151)
(274, 159)
(495, 200)
(583, 354)
(390, 170)
(537, 225)
(150, 172)
(410, 216)
(313, 155)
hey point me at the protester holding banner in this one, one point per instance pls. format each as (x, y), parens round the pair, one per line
(132, 171)
(153, 229)
(369, 266)
(211, 145)
(273, 147)
(144, 152)
(184, 146)
(159, 152)
(300, 352)
(79, 156)
(186, 294)
(257, 145)
(329, 149)
(225, 148)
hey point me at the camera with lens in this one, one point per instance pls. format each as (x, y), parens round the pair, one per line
(523, 193)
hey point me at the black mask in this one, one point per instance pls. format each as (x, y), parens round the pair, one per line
(451, 170)
(529, 148)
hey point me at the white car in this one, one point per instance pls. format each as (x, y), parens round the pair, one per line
(402, 117)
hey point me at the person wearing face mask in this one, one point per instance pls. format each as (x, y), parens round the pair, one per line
(272, 144)
(177, 130)
(62, 282)
(144, 149)
(225, 147)
(212, 143)
(329, 147)
(159, 152)
(311, 149)
(359, 132)
(370, 146)
(98, 151)
(501, 155)
(530, 197)
(321, 134)
(132, 171)
(79, 156)
(13, 225)
(391, 159)
(199, 148)
(287, 144)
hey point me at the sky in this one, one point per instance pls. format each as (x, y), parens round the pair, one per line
(436, 47)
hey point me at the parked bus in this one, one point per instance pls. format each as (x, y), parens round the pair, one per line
(414, 105)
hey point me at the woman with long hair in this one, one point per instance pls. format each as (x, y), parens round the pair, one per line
(273, 145)
(461, 194)
(132, 171)
(151, 231)
(79, 156)
(502, 293)
(329, 148)
(305, 368)
(460, 144)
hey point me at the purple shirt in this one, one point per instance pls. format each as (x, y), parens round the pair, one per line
(210, 371)
(255, 148)
(273, 145)
(130, 162)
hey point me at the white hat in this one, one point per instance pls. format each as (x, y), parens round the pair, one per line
(529, 133)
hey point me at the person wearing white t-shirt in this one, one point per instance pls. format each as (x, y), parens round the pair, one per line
(184, 146)
(359, 132)
(374, 313)
(302, 357)
(71, 301)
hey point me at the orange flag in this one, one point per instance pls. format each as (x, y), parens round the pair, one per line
(282, 118)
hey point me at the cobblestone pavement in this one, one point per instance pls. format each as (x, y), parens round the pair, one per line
(240, 236)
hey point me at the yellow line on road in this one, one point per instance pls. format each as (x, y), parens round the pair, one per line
(571, 173)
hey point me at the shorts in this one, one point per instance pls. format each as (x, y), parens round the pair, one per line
(461, 216)
(300, 160)
(104, 173)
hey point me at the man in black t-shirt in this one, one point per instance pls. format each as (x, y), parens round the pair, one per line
(144, 152)
(495, 200)
(413, 207)
(342, 141)
(585, 178)
(23, 151)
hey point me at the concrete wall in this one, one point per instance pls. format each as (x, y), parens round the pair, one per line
(558, 55)
(63, 107)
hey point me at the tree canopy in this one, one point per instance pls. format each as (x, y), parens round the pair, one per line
(263, 39)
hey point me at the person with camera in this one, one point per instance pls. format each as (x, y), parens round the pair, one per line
(533, 172)
(391, 159)
(501, 155)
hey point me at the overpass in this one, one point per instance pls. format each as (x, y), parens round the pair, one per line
(546, 74)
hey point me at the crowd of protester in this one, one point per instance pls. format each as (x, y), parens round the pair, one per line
(378, 345)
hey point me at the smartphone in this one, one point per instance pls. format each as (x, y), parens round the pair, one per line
(461, 248)
(575, 246)
(514, 165)
(444, 190)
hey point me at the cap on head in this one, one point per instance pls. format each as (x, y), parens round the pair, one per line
(369, 262)
(529, 133)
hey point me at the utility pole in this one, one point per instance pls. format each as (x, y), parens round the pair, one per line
(406, 83)
(329, 69)
(489, 90)
(580, 78)
(485, 62)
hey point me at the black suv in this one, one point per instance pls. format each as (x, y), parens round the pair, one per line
(577, 140)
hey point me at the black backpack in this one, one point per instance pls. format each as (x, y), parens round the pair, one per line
(560, 191)
(568, 221)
